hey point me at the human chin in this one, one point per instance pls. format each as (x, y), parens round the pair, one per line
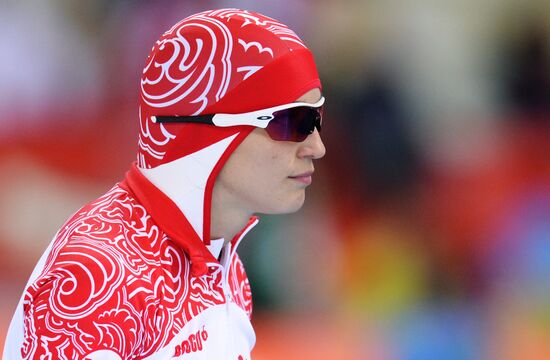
(288, 205)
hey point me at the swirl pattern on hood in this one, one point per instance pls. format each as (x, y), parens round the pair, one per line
(221, 61)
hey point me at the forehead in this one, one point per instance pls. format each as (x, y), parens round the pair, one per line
(312, 96)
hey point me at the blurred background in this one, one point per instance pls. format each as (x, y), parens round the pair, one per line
(426, 233)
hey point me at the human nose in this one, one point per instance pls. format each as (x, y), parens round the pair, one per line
(312, 147)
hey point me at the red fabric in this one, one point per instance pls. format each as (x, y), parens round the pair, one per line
(221, 61)
(212, 179)
(280, 82)
(195, 137)
(170, 219)
(173, 222)
(114, 281)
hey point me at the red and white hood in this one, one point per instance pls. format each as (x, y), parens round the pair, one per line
(221, 61)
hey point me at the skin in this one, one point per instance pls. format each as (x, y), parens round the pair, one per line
(258, 178)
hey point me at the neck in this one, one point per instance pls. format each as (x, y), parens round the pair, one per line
(226, 221)
(226, 224)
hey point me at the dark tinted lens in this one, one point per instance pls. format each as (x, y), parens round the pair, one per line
(294, 124)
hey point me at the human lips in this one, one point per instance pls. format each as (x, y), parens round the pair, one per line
(304, 178)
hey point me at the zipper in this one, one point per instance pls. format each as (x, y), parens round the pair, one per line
(226, 258)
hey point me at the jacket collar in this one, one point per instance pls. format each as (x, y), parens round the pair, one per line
(169, 217)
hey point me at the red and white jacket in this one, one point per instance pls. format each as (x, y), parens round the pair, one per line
(115, 285)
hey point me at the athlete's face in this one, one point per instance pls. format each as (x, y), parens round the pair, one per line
(268, 176)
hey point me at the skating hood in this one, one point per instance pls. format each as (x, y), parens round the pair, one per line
(220, 61)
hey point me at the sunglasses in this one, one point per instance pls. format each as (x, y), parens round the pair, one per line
(290, 122)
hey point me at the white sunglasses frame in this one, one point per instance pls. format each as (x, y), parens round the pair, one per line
(258, 118)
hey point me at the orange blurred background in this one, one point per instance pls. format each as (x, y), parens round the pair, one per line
(426, 232)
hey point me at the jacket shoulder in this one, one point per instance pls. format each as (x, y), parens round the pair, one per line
(97, 287)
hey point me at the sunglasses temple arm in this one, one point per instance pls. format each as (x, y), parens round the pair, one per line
(201, 119)
(251, 119)
(222, 120)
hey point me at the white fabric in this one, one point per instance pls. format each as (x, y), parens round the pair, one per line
(184, 180)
